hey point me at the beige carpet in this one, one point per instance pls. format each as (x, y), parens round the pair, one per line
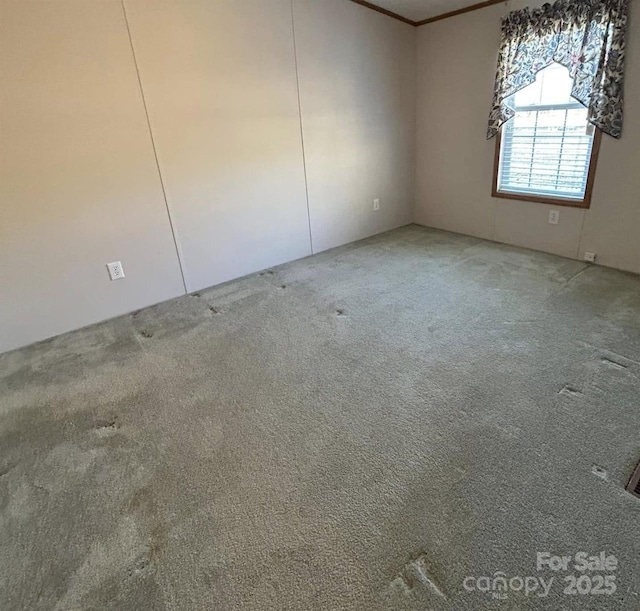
(363, 429)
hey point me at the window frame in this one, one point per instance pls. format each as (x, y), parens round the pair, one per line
(585, 202)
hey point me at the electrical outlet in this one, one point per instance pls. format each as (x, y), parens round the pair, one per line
(554, 217)
(116, 272)
(590, 257)
(376, 204)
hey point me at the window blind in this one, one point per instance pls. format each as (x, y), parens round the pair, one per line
(546, 150)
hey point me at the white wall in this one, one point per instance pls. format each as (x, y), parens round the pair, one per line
(357, 92)
(456, 70)
(220, 83)
(79, 185)
(243, 97)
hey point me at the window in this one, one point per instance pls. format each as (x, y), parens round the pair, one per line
(547, 152)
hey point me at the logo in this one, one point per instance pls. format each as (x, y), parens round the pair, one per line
(580, 574)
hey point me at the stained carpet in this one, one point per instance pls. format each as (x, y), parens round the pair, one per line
(374, 427)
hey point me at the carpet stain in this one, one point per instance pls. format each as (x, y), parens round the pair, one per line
(141, 566)
(275, 458)
(120, 556)
(144, 505)
(570, 391)
(107, 427)
(600, 472)
(340, 312)
(579, 273)
(146, 334)
(613, 364)
(7, 468)
(417, 572)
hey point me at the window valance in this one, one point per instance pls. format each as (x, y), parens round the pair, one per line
(585, 36)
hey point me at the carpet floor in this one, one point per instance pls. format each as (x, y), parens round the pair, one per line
(381, 426)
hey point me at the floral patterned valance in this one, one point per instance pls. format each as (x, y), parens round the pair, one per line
(585, 36)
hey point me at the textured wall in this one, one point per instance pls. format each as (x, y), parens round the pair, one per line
(357, 93)
(224, 82)
(220, 83)
(456, 70)
(79, 185)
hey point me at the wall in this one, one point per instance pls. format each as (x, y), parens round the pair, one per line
(220, 83)
(246, 98)
(357, 92)
(79, 179)
(79, 186)
(456, 70)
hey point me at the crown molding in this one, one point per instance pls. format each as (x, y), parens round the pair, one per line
(460, 11)
(384, 11)
(467, 9)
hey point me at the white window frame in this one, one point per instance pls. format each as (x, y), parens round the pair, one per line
(539, 196)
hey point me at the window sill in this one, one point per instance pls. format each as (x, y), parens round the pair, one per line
(541, 199)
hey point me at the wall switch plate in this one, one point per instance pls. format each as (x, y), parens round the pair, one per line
(554, 217)
(376, 204)
(116, 272)
(590, 257)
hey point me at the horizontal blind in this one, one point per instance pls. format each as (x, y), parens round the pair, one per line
(546, 151)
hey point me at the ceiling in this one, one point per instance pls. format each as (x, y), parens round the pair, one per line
(418, 10)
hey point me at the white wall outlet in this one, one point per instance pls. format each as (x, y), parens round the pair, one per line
(554, 217)
(590, 257)
(116, 272)
(376, 204)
